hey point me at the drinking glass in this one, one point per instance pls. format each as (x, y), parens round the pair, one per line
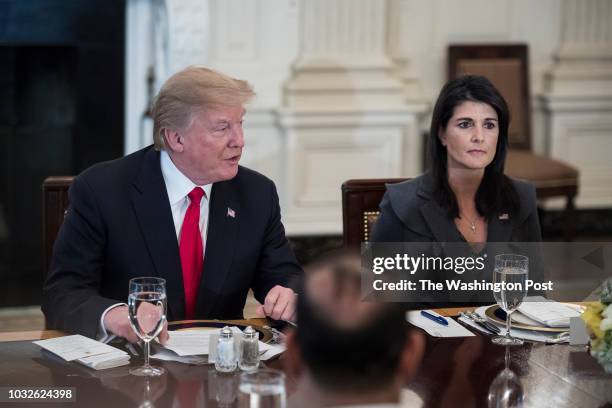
(506, 390)
(262, 389)
(510, 272)
(147, 311)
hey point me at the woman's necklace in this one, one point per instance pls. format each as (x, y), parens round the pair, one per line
(471, 223)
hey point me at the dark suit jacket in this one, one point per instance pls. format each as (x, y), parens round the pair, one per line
(409, 213)
(119, 226)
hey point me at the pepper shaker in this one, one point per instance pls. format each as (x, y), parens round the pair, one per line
(249, 350)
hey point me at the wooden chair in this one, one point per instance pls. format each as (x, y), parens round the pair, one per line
(506, 65)
(360, 200)
(55, 207)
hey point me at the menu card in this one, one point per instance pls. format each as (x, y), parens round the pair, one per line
(189, 346)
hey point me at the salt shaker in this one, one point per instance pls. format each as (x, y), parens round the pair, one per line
(249, 350)
(226, 355)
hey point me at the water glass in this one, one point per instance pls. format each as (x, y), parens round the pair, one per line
(506, 390)
(147, 310)
(510, 273)
(262, 389)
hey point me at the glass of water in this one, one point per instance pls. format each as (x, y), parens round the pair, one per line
(262, 389)
(506, 389)
(147, 311)
(510, 273)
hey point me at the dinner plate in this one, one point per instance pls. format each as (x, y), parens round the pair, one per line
(265, 335)
(496, 315)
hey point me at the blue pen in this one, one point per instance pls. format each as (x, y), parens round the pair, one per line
(437, 319)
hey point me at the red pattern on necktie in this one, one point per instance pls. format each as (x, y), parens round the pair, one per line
(191, 251)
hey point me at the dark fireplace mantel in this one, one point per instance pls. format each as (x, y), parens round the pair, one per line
(62, 110)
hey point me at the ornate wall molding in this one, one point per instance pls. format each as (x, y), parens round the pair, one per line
(347, 111)
(578, 98)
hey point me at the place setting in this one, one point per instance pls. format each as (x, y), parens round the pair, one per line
(516, 317)
(190, 342)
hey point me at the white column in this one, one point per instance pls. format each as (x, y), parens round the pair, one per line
(578, 100)
(584, 59)
(347, 113)
(400, 38)
(162, 36)
(343, 58)
(138, 55)
(189, 27)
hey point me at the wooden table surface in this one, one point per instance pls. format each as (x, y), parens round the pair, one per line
(455, 372)
(49, 334)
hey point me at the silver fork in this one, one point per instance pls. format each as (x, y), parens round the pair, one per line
(475, 317)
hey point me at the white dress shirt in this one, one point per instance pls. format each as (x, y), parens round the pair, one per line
(178, 187)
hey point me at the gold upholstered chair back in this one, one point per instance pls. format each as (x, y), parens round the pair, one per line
(360, 201)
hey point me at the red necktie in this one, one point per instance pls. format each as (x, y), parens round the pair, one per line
(191, 251)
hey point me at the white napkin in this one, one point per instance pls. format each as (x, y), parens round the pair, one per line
(86, 351)
(549, 313)
(107, 360)
(530, 335)
(75, 346)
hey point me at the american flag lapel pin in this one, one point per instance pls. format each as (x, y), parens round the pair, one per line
(504, 216)
(231, 213)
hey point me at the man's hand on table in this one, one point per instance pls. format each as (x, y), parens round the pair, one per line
(280, 304)
(117, 321)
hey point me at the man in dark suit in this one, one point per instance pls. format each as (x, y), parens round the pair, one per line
(183, 210)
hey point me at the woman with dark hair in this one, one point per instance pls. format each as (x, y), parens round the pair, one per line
(465, 196)
(464, 203)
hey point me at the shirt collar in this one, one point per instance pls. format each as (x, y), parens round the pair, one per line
(177, 184)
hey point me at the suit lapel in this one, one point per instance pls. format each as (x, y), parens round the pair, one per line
(441, 225)
(220, 242)
(154, 215)
(445, 230)
(499, 228)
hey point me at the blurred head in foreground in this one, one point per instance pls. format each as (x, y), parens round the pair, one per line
(345, 350)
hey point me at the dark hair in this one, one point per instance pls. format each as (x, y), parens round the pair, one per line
(361, 357)
(496, 192)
